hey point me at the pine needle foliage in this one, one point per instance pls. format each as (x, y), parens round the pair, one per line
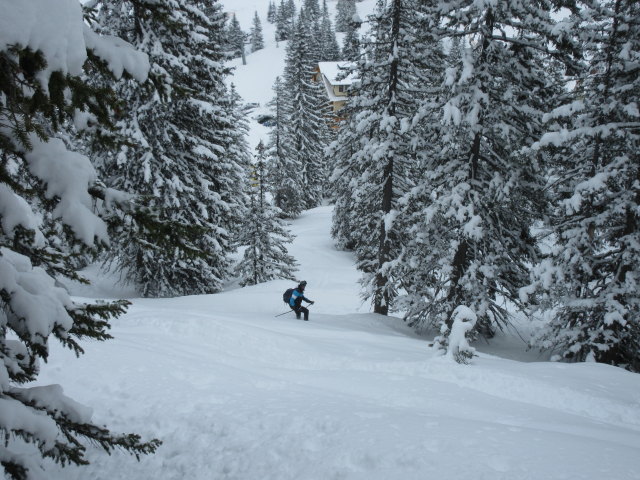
(481, 194)
(177, 149)
(592, 275)
(375, 163)
(264, 234)
(38, 100)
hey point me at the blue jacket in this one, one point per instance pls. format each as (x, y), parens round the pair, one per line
(296, 298)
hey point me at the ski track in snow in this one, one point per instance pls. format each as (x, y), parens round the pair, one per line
(236, 393)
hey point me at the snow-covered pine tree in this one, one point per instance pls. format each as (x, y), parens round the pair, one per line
(264, 234)
(284, 172)
(345, 10)
(315, 34)
(351, 42)
(257, 40)
(230, 175)
(306, 131)
(42, 85)
(290, 8)
(346, 229)
(272, 12)
(481, 193)
(375, 158)
(312, 9)
(329, 48)
(176, 156)
(414, 276)
(235, 38)
(592, 275)
(323, 44)
(455, 52)
(284, 20)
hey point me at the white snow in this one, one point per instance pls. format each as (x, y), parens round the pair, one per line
(34, 296)
(15, 211)
(17, 416)
(56, 28)
(335, 71)
(464, 319)
(118, 54)
(68, 176)
(37, 24)
(235, 392)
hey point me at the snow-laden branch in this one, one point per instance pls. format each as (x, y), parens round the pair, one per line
(56, 28)
(119, 55)
(68, 176)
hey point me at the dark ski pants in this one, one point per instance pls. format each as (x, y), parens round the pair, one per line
(300, 310)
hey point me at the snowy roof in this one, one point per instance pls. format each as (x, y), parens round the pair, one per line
(329, 91)
(333, 71)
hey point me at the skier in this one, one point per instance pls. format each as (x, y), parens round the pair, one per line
(295, 302)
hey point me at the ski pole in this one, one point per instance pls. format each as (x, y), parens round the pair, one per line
(284, 313)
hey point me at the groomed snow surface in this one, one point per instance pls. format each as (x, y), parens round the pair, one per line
(237, 393)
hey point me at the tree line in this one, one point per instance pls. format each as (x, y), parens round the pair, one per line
(490, 160)
(120, 142)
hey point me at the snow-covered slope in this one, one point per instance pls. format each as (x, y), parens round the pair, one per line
(237, 393)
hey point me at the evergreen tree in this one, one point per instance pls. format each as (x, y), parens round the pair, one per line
(312, 9)
(41, 177)
(375, 161)
(231, 174)
(257, 41)
(264, 234)
(272, 12)
(176, 155)
(592, 274)
(306, 130)
(285, 172)
(290, 8)
(325, 9)
(284, 20)
(235, 38)
(346, 9)
(471, 243)
(351, 41)
(328, 45)
(313, 26)
(455, 53)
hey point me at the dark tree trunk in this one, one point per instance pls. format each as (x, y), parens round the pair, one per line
(382, 297)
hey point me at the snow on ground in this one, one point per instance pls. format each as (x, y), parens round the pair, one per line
(236, 393)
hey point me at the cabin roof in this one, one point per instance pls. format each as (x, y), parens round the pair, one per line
(334, 71)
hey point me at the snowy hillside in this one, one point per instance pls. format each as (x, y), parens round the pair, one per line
(236, 392)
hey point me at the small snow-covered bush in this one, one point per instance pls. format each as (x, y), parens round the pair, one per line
(453, 341)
